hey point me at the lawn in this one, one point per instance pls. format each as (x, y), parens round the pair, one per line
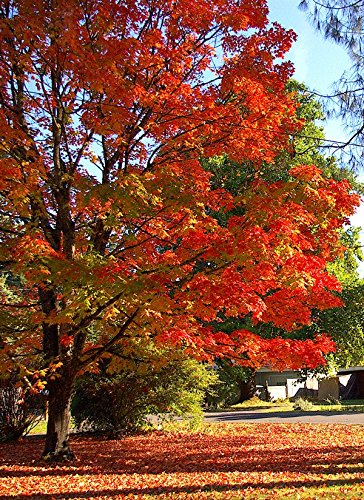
(255, 404)
(225, 461)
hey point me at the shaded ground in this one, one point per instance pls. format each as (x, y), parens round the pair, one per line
(225, 461)
(260, 416)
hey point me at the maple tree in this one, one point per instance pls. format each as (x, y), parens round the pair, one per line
(239, 382)
(105, 111)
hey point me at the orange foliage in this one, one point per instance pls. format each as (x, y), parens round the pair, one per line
(106, 109)
(227, 462)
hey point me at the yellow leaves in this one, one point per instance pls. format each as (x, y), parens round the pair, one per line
(111, 313)
(300, 280)
(39, 385)
(150, 313)
(54, 366)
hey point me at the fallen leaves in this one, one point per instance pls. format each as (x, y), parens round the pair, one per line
(224, 461)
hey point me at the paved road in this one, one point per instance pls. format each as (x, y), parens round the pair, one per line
(287, 417)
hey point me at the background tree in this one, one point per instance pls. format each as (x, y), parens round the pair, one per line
(342, 21)
(105, 110)
(20, 408)
(343, 323)
(346, 324)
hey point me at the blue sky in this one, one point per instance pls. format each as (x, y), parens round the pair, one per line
(318, 63)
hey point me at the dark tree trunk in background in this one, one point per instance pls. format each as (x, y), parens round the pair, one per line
(247, 388)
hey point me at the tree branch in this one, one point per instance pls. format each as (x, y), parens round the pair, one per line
(111, 342)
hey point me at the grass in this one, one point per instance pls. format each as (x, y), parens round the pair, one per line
(40, 428)
(222, 461)
(352, 405)
(255, 404)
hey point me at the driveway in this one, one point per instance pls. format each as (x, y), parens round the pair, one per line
(287, 417)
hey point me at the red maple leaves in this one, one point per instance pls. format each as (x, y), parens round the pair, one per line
(249, 460)
(108, 212)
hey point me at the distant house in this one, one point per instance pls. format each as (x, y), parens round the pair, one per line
(347, 384)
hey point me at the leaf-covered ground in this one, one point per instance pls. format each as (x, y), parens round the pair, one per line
(224, 461)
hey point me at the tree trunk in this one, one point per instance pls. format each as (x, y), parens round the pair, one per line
(57, 447)
(247, 388)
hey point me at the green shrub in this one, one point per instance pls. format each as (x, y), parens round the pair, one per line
(121, 403)
(20, 410)
(302, 405)
(228, 388)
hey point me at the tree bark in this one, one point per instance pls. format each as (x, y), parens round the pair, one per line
(57, 447)
(247, 388)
